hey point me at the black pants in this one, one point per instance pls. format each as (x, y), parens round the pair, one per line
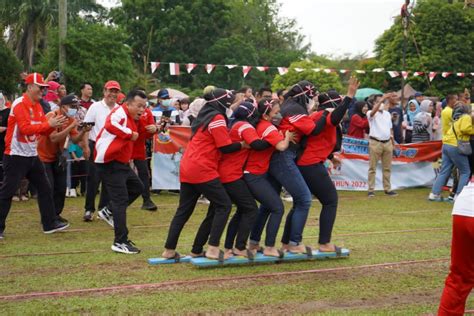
(320, 184)
(242, 222)
(15, 168)
(189, 194)
(93, 182)
(123, 187)
(57, 179)
(144, 175)
(78, 175)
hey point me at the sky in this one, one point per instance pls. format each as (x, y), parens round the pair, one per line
(337, 27)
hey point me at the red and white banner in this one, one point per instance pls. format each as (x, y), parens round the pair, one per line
(246, 70)
(154, 65)
(412, 164)
(190, 67)
(405, 74)
(210, 68)
(174, 69)
(432, 75)
(393, 74)
(282, 70)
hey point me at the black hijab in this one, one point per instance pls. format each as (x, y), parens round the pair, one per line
(246, 111)
(297, 98)
(330, 99)
(217, 102)
(359, 105)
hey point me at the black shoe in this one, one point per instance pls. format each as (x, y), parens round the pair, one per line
(149, 206)
(106, 215)
(62, 219)
(127, 247)
(371, 194)
(57, 226)
(391, 193)
(88, 216)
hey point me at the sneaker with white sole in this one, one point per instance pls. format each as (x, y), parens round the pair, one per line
(88, 216)
(72, 193)
(435, 197)
(106, 215)
(57, 226)
(127, 247)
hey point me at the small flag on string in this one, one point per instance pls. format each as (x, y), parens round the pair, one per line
(230, 66)
(393, 74)
(327, 70)
(316, 69)
(460, 74)
(210, 68)
(418, 73)
(405, 74)
(282, 70)
(360, 71)
(246, 70)
(472, 74)
(299, 69)
(190, 67)
(445, 74)
(344, 71)
(262, 68)
(432, 75)
(377, 70)
(174, 69)
(154, 66)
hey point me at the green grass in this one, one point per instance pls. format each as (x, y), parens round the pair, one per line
(404, 228)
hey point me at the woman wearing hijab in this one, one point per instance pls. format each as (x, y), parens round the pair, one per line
(412, 110)
(283, 166)
(423, 123)
(359, 124)
(461, 130)
(317, 150)
(263, 186)
(199, 172)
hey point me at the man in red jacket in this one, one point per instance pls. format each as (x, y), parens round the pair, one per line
(113, 152)
(25, 124)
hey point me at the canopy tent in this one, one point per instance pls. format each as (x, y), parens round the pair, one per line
(363, 93)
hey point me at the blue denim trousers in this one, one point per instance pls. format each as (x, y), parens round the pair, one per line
(451, 157)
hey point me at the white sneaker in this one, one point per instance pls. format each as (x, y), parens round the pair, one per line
(16, 198)
(72, 193)
(435, 197)
(68, 194)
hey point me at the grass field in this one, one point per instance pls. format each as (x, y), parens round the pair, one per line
(378, 231)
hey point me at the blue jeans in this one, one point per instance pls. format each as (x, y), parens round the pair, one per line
(283, 168)
(451, 157)
(266, 191)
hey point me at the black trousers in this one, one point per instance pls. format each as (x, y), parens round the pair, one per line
(320, 184)
(144, 175)
(242, 222)
(93, 182)
(15, 168)
(189, 194)
(78, 174)
(123, 187)
(57, 179)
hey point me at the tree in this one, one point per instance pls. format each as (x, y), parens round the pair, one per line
(439, 39)
(96, 53)
(10, 70)
(322, 80)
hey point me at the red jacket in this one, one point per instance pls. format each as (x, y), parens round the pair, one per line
(139, 148)
(114, 139)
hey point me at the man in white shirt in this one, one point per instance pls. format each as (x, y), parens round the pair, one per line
(96, 114)
(380, 144)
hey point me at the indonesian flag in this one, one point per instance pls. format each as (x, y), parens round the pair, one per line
(405, 74)
(262, 68)
(393, 74)
(299, 69)
(445, 74)
(154, 66)
(344, 71)
(246, 70)
(174, 69)
(230, 66)
(472, 74)
(190, 67)
(210, 68)
(327, 71)
(432, 75)
(460, 74)
(282, 70)
(418, 73)
(377, 70)
(360, 71)
(316, 69)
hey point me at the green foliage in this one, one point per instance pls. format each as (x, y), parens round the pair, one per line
(444, 35)
(95, 53)
(322, 80)
(371, 79)
(10, 70)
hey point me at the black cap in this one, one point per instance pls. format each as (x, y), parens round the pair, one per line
(70, 100)
(163, 94)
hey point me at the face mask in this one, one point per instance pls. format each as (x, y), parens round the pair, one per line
(276, 120)
(71, 112)
(166, 103)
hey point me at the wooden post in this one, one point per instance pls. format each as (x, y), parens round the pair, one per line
(62, 33)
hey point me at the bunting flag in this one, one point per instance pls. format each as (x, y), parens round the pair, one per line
(418, 73)
(230, 66)
(246, 70)
(154, 66)
(327, 71)
(360, 71)
(262, 68)
(316, 69)
(377, 70)
(405, 74)
(282, 70)
(472, 74)
(210, 68)
(460, 74)
(190, 67)
(393, 74)
(174, 69)
(432, 75)
(445, 74)
(344, 71)
(299, 69)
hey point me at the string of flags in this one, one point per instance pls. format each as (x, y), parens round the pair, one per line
(174, 69)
